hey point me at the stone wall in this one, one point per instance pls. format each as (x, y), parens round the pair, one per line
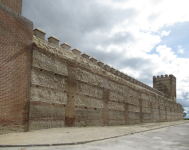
(166, 84)
(16, 35)
(69, 90)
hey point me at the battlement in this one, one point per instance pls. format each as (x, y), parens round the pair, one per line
(38, 32)
(165, 76)
(166, 84)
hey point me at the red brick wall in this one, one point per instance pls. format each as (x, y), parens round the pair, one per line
(15, 5)
(16, 35)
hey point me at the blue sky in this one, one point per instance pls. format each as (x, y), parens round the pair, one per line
(141, 38)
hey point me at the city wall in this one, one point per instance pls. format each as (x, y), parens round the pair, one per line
(43, 85)
(72, 90)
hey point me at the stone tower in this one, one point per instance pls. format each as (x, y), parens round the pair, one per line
(166, 84)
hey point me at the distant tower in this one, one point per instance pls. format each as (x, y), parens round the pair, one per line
(166, 84)
(15, 5)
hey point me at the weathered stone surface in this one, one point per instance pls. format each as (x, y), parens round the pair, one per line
(133, 108)
(48, 95)
(116, 106)
(146, 110)
(115, 87)
(45, 124)
(89, 78)
(134, 115)
(145, 103)
(145, 97)
(89, 102)
(146, 116)
(134, 121)
(116, 122)
(132, 100)
(155, 105)
(47, 79)
(114, 96)
(93, 91)
(46, 110)
(49, 63)
(117, 115)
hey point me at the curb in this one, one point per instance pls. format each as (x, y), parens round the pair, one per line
(84, 142)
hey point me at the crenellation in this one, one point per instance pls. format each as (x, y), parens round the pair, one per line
(107, 67)
(54, 40)
(118, 73)
(76, 52)
(93, 60)
(85, 55)
(123, 75)
(112, 69)
(100, 64)
(39, 33)
(66, 46)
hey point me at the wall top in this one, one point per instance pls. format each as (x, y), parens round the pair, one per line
(39, 29)
(165, 76)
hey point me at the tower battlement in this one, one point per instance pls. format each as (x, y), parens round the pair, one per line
(166, 84)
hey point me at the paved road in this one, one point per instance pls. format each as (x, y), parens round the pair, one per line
(170, 138)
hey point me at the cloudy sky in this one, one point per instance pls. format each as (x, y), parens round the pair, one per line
(142, 38)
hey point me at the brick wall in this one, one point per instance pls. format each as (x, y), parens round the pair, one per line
(16, 34)
(15, 5)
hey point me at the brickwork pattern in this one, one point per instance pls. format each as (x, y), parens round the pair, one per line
(15, 5)
(16, 35)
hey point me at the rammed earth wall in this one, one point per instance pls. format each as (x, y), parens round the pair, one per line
(69, 90)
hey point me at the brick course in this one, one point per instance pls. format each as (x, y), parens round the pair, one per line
(15, 62)
(15, 5)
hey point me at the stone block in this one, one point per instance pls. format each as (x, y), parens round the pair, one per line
(100, 64)
(107, 67)
(118, 73)
(93, 60)
(39, 33)
(54, 40)
(85, 55)
(76, 52)
(112, 69)
(66, 46)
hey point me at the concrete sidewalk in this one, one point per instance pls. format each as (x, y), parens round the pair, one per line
(76, 135)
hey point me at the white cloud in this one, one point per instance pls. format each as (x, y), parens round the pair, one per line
(165, 53)
(180, 49)
(165, 33)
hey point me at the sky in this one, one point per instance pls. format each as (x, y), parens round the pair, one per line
(140, 38)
